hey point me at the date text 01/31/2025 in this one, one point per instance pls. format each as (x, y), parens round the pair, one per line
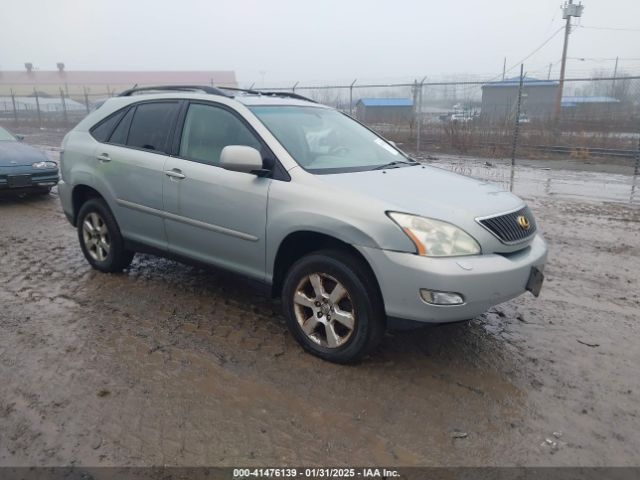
(314, 473)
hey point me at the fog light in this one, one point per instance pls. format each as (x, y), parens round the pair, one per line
(441, 298)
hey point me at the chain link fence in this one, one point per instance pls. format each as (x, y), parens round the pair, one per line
(47, 109)
(595, 117)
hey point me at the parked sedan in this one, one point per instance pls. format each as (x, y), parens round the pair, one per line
(23, 168)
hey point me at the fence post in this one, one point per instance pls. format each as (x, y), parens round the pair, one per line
(351, 97)
(15, 110)
(636, 169)
(516, 130)
(419, 112)
(414, 96)
(636, 172)
(86, 99)
(38, 108)
(64, 108)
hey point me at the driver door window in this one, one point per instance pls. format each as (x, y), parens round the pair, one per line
(208, 129)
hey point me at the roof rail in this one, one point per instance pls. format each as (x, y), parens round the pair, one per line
(244, 90)
(270, 93)
(180, 88)
(287, 94)
(214, 91)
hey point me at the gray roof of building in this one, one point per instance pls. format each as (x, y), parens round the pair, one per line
(386, 102)
(515, 82)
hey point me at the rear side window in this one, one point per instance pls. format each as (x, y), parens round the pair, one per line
(151, 126)
(119, 135)
(103, 129)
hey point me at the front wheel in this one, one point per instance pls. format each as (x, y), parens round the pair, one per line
(332, 306)
(100, 238)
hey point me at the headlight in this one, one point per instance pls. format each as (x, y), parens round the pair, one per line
(435, 238)
(44, 164)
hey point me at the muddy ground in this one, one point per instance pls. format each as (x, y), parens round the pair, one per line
(168, 364)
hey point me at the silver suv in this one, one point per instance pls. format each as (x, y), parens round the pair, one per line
(351, 233)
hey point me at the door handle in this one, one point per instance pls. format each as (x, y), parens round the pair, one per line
(175, 173)
(103, 157)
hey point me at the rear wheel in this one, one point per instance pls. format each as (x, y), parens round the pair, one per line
(100, 238)
(333, 307)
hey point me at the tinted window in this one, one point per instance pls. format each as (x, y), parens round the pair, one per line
(207, 130)
(151, 125)
(103, 129)
(119, 135)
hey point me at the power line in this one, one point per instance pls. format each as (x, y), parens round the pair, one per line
(610, 28)
(465, 89)
(540, 47)
(603, 59)
(536, 50)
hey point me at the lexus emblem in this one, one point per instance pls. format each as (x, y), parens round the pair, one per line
(523, 223)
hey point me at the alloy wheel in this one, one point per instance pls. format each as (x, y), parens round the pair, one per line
(324, 310)
(96, 237)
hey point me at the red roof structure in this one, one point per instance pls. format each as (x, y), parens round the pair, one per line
(45, 80)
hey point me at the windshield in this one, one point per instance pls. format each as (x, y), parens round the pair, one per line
(6, 136)
(323, 140)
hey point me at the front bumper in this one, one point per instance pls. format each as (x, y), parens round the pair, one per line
(36, 178)
(38, 181)
(483, 280)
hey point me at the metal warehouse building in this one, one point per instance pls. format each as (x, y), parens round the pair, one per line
(595, 107)
(76, 83)
(499, 99)
(385, 110)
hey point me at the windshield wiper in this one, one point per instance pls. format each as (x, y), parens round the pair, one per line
(395, 164)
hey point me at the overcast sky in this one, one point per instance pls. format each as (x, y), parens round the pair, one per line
(315, 41)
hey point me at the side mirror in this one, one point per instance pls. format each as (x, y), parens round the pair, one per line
(239, 158)
(19, 137)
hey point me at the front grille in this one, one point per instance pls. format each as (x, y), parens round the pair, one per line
(507, 228)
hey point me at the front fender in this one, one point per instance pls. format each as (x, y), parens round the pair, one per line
(351, 218)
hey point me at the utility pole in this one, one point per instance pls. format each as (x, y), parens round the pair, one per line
(549, 74)
(504, 68)
(569, 10)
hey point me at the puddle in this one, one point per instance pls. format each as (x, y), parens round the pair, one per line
(528, 181)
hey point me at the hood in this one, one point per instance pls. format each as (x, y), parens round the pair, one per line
(434, 193)
(19, 153)
(429, 191)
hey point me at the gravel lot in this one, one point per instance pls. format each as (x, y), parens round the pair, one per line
(168, 364)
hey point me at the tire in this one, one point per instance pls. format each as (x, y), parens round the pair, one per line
(102, 244)
(320, 323)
